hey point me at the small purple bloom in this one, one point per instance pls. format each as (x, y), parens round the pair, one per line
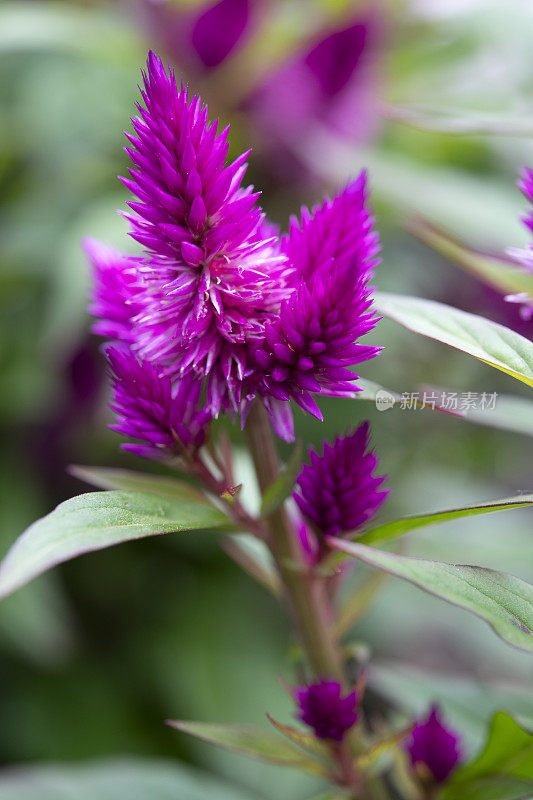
(165, 418)
(434, 746)
(322, 707)
(338, 490)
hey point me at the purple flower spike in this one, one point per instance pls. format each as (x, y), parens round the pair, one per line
(338, 491)
(213, 273)
(149, 408)
(434, 746)
(313, 341)
(325, 710)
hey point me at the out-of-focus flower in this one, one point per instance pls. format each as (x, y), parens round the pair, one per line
(331, 82)
(525, 257)
(166, 418)
(199, 38)
(323, 707)
(217, 294)
(434, 747)
(338, 491)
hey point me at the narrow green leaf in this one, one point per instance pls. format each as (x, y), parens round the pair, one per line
(509, 413)
(500, 272)
(131, 481)
(456, 121)
(305, 740)
(250, 740)
(278, 491)
(358, 602)
(116, 779)
(488, 341)
(502, 600)
(254, 557)
(398, 527)
(94, 521)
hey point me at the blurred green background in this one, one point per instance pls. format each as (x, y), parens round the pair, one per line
(95, 655)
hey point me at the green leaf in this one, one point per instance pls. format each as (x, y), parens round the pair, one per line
(502, 600)
(117, 779)
(254, 557)
(94, 521)
(131, 481)
(489, 789)
(508, 752)
(278, 491)
(398, 527)
(456, 121)
(250, 740)
(502, 273)
(509, 413)
(488, 341)
(304, 740)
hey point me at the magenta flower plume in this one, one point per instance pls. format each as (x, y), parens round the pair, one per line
(213, 272)
(309, 347)
(434, 746)
(338, 491)
(165, 418)
(323, 707)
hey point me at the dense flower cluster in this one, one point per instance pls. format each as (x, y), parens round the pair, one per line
(323, 707)
(218, 297)
(338, 491)
(434, 746)
(525, 257)
(165, 417)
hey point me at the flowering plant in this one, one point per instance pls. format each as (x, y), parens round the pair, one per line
(220, 315)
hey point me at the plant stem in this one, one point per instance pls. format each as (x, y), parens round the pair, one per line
(305, 593)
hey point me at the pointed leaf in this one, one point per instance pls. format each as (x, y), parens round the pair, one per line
(508, 752)
(494, 344)
(508, 414)
(129, 480)
(253, 556)
(500, 272)
(250, 740)
(277, 492)
(398, 527)
(489, 789)
(116, 779)
(502, 600)
(305, 740)
(94, 521)
(504, 768)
